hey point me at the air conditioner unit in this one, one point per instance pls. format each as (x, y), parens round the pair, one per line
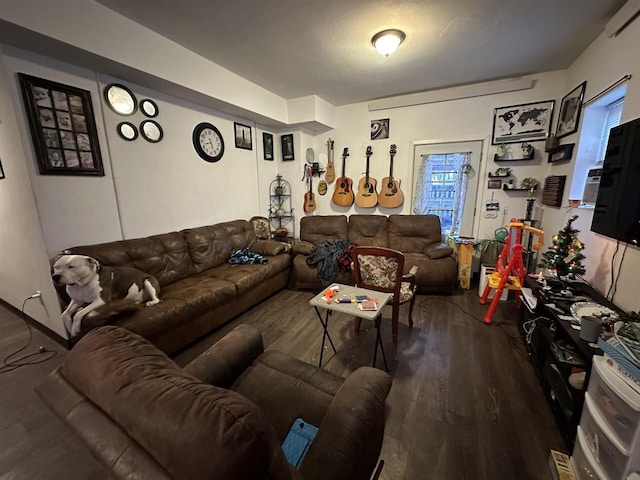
(590, 194)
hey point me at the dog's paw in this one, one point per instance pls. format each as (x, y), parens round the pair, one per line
(75, 329)
(151, 302)
(67, 322)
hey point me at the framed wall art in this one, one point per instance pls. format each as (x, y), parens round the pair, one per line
(1, 171)
(243, 136)
(380, 129)
(286, 142)
(570, 108)
(522, 123)
(267, 145)
(62, 127)
(493, 183)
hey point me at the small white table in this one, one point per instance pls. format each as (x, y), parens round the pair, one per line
(319, 301)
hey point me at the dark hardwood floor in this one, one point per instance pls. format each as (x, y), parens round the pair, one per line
(465, 402)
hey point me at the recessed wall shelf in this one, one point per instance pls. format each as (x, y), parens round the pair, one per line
(560, 153)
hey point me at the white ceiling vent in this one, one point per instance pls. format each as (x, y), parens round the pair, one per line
(624, 17)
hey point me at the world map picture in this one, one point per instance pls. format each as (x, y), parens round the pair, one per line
(519, 123)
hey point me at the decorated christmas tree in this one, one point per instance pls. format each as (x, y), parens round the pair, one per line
(564, 257)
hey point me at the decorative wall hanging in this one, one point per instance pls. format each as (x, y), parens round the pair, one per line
(286, 142)
(62, 127)
(149, 108)
(120, 99)
(570, 108)
(379, 129)
(528, 122)
(127, 131)
(243, 136)
(560, 153)
(208, 142)
(267, 145)
(151, 131)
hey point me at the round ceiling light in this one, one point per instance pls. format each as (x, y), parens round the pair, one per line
(388, 41)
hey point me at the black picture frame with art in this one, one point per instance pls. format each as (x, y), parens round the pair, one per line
(528, 122)
(267, 146)
(380, 129)
(242, 134)
(286, 142)
(494, 184)
(62, 127)
(570, 108)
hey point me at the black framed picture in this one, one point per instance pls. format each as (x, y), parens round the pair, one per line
(528, 122)
(62, 127)
(286, 142)
(570, 108)
(267, 145)
(380, 129)
(1, 171)
(243, 136)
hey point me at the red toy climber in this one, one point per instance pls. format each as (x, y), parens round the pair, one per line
(512, 275)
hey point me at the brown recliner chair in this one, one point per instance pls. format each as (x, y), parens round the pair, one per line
(223, 416)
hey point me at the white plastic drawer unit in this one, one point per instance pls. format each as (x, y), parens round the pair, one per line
(584, 464)
(616, 401)
(615, 461)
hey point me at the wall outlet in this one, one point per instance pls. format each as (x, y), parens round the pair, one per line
(36, 294)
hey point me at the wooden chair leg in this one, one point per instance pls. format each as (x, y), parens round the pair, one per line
(356, 325)
(394, 321)
(413, 300)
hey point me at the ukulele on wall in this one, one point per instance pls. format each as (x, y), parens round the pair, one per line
(367, 195)
(343, 194)
(330, 176)
(309, 197)
(390, 194)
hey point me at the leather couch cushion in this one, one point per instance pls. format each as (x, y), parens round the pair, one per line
(165, 256)
(212, 245)
(246, 277)
(369, 230)
(144, 392)
(412, 233)
(317, 228)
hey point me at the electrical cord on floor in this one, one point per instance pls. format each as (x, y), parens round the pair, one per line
(44, 355)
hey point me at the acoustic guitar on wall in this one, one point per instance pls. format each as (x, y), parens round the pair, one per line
(330, 175)
(367, 195)
(309, 197)
(390, 194)
(343, 194)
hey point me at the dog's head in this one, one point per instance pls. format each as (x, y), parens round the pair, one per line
(74, 269)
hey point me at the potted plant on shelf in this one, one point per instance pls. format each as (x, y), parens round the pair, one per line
(527, 149)
(528, 183)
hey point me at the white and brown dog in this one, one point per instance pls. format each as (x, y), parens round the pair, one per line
(90, 285)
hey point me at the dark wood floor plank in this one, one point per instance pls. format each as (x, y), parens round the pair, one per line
(465, 402)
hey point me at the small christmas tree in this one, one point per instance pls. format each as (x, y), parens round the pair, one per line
(564, 257)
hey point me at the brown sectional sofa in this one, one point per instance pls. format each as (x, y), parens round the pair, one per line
(417, 236)
(200, 290)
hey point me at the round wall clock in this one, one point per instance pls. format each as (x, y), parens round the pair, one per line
(149, 108)
(120, 99)
(151, 131)
(208, 142)
(127, 131)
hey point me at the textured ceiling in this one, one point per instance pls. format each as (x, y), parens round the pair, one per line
(296, 48)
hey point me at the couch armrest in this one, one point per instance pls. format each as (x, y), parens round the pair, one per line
(303, 247)
(438, 250)
(269, 247)
(223, 363)
(350, 436)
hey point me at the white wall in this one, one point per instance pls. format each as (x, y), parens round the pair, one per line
(24, 265)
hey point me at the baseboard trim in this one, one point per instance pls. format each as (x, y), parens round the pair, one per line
(37, 325)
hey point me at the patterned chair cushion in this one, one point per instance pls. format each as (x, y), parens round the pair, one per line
(405, 292)
(376, 270)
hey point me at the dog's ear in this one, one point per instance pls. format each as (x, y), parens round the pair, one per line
(94, 262)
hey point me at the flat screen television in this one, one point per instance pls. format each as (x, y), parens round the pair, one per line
(617, 209)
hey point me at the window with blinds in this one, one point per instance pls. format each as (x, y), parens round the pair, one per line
(611, 119)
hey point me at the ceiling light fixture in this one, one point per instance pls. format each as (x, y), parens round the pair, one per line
(388, 41)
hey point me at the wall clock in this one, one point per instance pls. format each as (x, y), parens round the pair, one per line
(151, 131)
(120, 99)
(208, 142)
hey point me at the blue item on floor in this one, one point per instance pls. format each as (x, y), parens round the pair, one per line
(298, 441)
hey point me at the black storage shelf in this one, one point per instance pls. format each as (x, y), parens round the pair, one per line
(504, 187)
(493, 175)
(498, 158)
